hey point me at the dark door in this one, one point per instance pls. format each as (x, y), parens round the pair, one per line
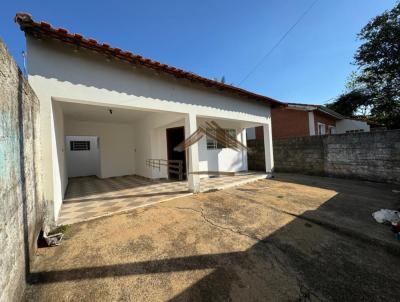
(174, 137)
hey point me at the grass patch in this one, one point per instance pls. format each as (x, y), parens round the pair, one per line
(61, 229)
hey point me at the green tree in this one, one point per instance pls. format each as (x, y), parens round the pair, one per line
(378, 77)
(354, 102)
(379, 61)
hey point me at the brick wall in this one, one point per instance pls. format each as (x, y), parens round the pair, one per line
(371, 156)
(324, 119)
(289, 123)
(21, 206)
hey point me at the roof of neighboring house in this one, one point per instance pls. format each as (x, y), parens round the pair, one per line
(45, 30)
(321, 108)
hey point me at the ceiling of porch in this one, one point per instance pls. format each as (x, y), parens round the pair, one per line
(85, 112)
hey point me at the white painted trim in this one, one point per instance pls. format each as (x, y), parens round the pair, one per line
(311, 122)
(268, 149)
(193, 154)
(321, 124)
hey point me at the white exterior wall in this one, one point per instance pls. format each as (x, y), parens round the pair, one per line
(311, 122)
(348, 124)
(57, 154)
(151, 143)
(117, 155)
(57, 72)
(226, 159)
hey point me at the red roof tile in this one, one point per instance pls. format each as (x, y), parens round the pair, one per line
(44, 29)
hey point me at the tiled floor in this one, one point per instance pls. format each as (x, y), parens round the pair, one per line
(90, 197)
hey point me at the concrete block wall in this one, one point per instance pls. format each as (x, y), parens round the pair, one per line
(371, 156)
(21, 207)
(299, 154)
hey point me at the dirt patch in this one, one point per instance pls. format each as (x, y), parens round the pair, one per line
(295, 238)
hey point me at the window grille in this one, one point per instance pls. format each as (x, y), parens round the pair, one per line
(79, 145)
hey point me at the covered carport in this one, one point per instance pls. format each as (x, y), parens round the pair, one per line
(107, 159)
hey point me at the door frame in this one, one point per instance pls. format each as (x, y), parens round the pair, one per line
(169, 149)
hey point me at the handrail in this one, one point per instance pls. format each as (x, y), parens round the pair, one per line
(174, 166)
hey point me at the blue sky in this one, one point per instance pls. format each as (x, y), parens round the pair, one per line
(216, 38)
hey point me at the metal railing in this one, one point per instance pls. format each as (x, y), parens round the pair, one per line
(173, 166)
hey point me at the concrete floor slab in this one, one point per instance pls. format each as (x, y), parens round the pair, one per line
(293, 238)
(90, 197)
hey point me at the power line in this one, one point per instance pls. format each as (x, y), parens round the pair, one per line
(279, 42)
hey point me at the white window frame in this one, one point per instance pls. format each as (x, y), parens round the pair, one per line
(319, 128)
(212, 144)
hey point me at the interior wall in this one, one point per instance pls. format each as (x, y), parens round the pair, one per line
(142, 150)
(151, 142)
(83, 162)
(116, 145)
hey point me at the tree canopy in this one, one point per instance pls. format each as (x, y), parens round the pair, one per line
(377, 84)
(350, 103)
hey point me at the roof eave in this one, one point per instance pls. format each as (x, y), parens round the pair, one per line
(45, 30)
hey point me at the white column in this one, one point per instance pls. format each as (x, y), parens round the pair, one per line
(269, 153)
(311, 123)
(193, 154)
(243, 139)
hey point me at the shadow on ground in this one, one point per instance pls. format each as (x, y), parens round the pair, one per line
(296, 238)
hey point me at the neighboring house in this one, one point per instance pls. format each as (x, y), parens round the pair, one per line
(105, 111)
(297, 120)
(352, 125)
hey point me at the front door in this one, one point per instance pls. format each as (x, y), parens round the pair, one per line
(174, 137)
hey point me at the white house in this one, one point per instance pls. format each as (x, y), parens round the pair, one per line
(351, 125)
(124, 109)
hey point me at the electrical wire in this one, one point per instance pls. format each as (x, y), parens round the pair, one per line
(279, 42)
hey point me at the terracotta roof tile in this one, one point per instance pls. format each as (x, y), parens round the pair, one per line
(44, 29)
(45, 24)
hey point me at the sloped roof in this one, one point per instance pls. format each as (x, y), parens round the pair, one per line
(320, 108)
(45, 30)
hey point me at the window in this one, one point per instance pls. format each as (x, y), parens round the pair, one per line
(331, 130)
(213, 144)
(79, 145)
(355, 131)
(321, 129)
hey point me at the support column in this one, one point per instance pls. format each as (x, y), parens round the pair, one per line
(268, 149)
(311, 122)
(193, 154)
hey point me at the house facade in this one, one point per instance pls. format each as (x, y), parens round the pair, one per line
(296, 120)
(304, 120)
(108, 112)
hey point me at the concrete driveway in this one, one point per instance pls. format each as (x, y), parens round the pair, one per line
(294, 238)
